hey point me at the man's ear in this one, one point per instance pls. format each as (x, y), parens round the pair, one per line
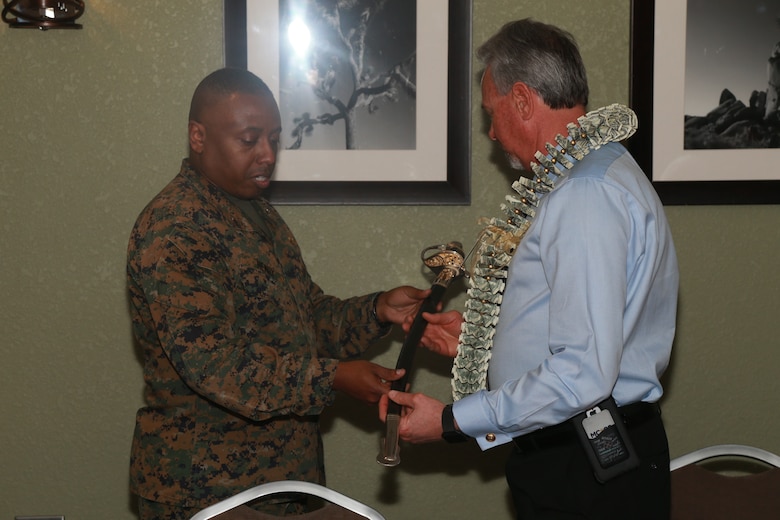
(523, 100)
(197, 136)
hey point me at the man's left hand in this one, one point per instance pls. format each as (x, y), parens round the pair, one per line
(364, 380)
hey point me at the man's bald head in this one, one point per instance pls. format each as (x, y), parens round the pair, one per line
(222, 83)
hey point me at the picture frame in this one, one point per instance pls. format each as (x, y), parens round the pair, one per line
(436, 172)
(681, 176)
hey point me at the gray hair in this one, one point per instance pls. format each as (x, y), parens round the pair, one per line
(544, 57)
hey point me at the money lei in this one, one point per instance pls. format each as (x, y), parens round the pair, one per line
(499, 240)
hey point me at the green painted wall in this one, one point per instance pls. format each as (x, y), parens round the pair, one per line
(92, 125)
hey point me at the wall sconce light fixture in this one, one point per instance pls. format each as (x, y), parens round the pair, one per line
(43, 14)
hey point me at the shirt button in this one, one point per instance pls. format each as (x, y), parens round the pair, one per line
(490, 437)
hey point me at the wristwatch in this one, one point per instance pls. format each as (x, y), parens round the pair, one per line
(449, 432)
(383, 324)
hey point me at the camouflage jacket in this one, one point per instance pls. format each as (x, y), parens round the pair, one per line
(239, 345)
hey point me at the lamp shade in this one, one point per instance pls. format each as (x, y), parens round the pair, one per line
(43, 14)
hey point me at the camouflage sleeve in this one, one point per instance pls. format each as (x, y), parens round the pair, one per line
(346, 327)
(250, 353)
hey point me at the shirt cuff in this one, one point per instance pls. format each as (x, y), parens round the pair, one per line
(471, 419)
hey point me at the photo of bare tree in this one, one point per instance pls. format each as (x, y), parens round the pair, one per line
(374, 96)
(348, 73)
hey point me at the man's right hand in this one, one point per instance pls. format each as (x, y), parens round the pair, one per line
(420, 416)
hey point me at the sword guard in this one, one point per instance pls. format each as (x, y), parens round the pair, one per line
(445, 260)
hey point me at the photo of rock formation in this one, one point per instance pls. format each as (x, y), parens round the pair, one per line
(732, 74)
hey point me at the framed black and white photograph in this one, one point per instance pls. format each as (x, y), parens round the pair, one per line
(705, 81)
(374, 96)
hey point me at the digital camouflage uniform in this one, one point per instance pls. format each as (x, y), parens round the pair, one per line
(240, 347)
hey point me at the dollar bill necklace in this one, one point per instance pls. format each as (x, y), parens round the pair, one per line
(500, 237)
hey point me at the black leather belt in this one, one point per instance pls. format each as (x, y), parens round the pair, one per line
(633, 415)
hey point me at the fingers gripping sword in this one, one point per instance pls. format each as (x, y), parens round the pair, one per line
(446, 261)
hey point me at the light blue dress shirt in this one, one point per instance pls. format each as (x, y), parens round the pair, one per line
(589, 307)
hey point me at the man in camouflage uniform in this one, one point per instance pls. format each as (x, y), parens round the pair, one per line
(242, 350)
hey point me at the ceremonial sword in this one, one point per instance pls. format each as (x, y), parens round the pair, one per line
(446, 260)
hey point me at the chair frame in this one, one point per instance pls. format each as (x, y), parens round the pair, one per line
(288, 486)
(725, 450)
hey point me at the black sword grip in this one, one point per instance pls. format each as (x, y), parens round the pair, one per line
(409, 347)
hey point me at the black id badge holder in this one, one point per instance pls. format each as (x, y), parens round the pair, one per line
(605, 440)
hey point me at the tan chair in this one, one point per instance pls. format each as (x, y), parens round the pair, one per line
(745, 485)
(337, 507)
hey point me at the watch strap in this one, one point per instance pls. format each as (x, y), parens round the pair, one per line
(449, 432)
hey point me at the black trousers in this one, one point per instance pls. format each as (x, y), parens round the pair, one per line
(557, 482)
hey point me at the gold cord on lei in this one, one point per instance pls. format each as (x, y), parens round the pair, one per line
(499, 240)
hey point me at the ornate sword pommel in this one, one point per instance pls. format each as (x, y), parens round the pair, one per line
(446, 260)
